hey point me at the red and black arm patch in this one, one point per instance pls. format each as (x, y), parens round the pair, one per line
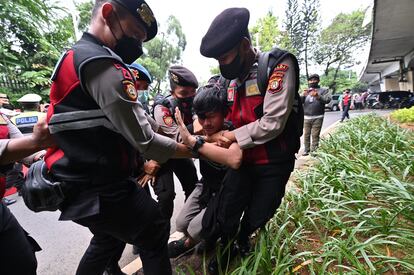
(128, 83)
(276, 80)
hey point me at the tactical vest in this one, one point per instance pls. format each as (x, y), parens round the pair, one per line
(247, 109)
(88, 149)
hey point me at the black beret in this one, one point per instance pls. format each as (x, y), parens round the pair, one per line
(140, 10)
(225, 32)
(182, 76)
(313, 76)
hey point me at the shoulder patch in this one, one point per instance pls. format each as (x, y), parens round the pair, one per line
(168, 120)
(276, 82)
(129, 89)
(125, 73)
(135, 73)
(166, 111)
(282, 67)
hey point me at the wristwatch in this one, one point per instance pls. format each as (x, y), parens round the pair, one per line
(199, 142)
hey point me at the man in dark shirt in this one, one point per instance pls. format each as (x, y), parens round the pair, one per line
(210, 106)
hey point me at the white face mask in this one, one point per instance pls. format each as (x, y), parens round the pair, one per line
(143, 96)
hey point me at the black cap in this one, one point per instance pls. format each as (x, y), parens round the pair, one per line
(182, 76)
(225, 32)
(140, 10)
(313, 76)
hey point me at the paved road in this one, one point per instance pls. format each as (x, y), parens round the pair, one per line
(63, 243)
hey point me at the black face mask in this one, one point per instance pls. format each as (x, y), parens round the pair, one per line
(128, 48)
(232, 70)
(314, 85)
(185, 104)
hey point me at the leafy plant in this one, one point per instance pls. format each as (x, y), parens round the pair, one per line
(403, 115)
(351, 212)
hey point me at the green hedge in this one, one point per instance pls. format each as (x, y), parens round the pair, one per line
(404, 115)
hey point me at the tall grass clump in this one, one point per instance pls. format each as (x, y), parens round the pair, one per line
(351, 212)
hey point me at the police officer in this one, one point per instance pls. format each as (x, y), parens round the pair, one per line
(183, 84)
(31, 113)
(268, 127)
(314, 99)
(25, 122)
(142, 81)
(99, 125)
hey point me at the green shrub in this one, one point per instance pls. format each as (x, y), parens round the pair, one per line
(352, 212)
(403, 115)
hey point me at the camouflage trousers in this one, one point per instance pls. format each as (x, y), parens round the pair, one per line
(312, 128)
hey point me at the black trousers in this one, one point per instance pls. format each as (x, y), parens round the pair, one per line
(134, 218)
(345, 112)
(256, 191)
(17, 249)
(185, 171)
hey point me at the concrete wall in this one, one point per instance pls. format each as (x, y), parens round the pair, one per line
(391, 84)
(409, 85)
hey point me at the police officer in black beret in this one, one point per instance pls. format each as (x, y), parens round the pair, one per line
(183, 84)
(99, 127)
(267, 122)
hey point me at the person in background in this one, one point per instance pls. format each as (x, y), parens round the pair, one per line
(346, 103)
(314, 99)
(183, 85)
(31, 113)
(5, 107)
(210, 106)
(142, 81)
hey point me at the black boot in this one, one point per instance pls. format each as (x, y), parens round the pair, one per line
(243, 246)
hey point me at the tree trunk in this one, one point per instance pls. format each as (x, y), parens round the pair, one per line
(335, 76)
(306, 52)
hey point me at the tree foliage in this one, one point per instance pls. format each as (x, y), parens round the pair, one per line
(266, 34)
(163, 51)
(85, 13)
(30, 42)
(291, 36)
(339, 41)
(343, 80)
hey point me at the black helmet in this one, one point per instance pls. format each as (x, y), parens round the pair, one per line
(40, 192)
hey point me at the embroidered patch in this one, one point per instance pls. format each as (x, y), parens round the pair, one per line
(230, 94)
(174, 77)
(146, 14)
(129, 89)
(251, 88)
(135, 73)
(282, 67)
(168, 120)
(166, 111)
(125, 73)
(275, 84)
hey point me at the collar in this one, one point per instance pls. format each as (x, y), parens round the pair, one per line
(92, 38)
